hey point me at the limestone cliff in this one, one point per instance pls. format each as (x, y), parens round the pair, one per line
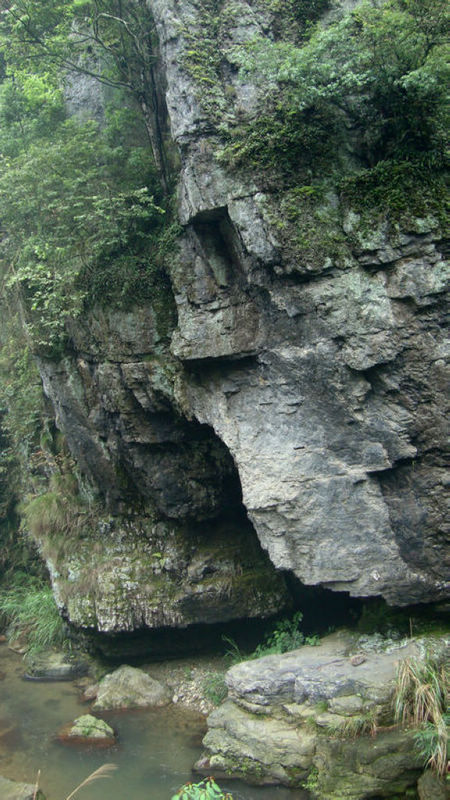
(291, 396)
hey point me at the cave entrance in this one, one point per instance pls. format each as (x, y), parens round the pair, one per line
(219, 244)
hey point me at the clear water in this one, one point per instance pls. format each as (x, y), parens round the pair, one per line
(154, 754)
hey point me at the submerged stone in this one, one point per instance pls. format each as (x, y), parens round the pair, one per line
(11, 790)
(54, 666)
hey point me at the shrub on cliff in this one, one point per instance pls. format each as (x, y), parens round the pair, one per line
(379, 72)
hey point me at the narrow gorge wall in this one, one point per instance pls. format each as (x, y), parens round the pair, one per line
(290, 396)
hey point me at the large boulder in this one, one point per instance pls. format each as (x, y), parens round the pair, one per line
(128, 687)
(321, 717)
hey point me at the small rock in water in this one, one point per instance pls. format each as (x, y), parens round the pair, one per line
(88, 729)
(54, 666)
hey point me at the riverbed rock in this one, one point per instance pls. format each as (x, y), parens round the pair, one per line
(309, 715)
(12, 790)
(128, 687)
(88, 730)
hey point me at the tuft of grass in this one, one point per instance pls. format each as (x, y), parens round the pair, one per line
(351, 727)
(421, 700)
(215, 688)
(29, 609)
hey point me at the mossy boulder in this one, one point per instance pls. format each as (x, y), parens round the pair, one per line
(128, 687)
(88, 729)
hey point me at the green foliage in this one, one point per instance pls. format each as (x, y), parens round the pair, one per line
(29, 609)
(382, 68)
(285, 636)
(281, 141)
(205, 790)
(421, 699)
(70, 208)
(295, 19)
(431, 743)
(400, 189)
(110, 40)
(312, 782)
(215, 688)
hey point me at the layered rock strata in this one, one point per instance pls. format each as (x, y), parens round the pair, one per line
(319, 716)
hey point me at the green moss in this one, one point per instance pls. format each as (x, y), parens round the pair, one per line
(295, 19)
(282, 144)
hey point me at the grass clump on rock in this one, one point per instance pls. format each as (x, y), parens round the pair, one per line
(422, 694)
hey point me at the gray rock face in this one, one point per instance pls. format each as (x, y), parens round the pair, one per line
(325, 380)
(301, 391)
(176, 547)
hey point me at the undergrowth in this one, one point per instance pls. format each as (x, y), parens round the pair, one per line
(215, 688)
(285, 636)
(29, 610)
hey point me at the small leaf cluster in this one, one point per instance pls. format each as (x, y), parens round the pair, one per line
(205, 790)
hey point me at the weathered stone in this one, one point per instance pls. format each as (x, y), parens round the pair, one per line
(316, 674)
(312, 378)
(347, 706)
(11, 790)
(150, 574)
(128, 687)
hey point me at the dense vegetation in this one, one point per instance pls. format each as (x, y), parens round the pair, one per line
(364, 96)
(85, 204)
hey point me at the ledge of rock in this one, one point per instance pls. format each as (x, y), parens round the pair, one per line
(318, 711)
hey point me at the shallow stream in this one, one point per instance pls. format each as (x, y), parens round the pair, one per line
(154, 754)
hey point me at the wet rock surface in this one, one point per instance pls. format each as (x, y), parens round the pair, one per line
(54, 666)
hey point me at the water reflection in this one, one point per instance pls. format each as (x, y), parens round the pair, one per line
(154, 753)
